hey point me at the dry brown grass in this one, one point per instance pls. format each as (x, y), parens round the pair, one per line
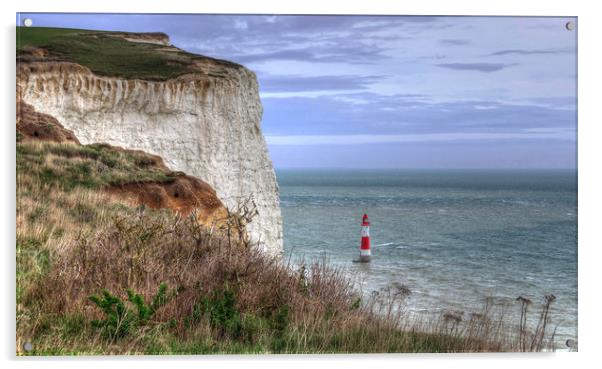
(323, 311)
(224, 296)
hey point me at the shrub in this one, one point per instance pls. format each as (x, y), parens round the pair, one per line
(120, 319)
(222, 312)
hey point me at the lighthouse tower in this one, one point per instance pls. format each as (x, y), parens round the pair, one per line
(365, 245)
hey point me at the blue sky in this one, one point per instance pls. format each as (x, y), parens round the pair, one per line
(389, 91)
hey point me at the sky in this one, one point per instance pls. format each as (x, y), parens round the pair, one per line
(391, 91)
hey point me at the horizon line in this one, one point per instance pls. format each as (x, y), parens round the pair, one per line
(424, 168)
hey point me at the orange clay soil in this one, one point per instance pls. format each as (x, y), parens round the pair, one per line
(183, 194)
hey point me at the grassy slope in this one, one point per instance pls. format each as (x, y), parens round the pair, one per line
(59, 196)
(95, 166)
(109, 56)
(73, 241)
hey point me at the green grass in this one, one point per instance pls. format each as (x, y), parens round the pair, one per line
(107, 55)
(78, 337)
(42, 36)
(91, 166)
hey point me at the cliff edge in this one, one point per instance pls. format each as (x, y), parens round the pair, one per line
(201, 115)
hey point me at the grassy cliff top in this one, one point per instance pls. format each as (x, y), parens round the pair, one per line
(109, 53)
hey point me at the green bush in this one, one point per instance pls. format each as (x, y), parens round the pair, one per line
(222, 313)
(120, 318)
(226, 320)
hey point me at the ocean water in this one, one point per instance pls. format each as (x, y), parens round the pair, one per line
(454, 237)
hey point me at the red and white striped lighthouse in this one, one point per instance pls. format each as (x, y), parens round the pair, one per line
(365, 245)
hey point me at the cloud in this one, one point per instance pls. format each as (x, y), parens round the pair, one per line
(306, 140)
(557, 102)
(454, 42)
(485, 107)
(365, 112)
(530, 52)
(321, 83)
(295, 54)
(240, 24)
(480, 67)
(345, 51)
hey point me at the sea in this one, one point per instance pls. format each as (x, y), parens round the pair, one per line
(457, 239)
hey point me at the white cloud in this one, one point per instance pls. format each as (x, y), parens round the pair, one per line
(304, 140)
(485, 107)
(240, 24)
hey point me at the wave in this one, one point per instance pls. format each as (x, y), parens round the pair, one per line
(390, 244)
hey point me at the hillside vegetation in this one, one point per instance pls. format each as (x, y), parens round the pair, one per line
(108, 53)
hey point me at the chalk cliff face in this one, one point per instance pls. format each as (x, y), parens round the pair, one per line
(205, 123)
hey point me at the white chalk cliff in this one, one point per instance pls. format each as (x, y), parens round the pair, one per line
(206, 124)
